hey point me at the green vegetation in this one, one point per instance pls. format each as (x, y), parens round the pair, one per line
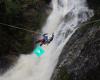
(62, 74)
(29, 14)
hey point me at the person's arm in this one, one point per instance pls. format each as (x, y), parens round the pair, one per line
(51, 38)
(44, 34)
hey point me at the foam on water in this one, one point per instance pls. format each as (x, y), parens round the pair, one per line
(63, 21)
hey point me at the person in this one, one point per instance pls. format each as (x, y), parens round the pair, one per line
(45, 39)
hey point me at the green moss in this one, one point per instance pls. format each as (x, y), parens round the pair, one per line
(62, 74)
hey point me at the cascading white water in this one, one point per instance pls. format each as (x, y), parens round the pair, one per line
(63, 21)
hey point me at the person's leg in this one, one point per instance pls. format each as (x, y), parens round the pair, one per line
(39, 41)
(42, 42)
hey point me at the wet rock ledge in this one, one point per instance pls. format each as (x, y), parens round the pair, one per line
(80, 57)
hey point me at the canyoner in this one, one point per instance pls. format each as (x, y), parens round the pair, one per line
(39, 41)
(63, 20)
(43, 40)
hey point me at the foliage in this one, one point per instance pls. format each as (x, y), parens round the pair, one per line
(22, 13)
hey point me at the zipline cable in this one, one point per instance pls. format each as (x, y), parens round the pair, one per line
(20, 28)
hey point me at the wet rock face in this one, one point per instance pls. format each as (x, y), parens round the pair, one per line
(80, 56)
(47, 1)
(94, 4)
(87, 61)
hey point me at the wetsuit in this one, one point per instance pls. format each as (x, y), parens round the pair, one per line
(45, 39)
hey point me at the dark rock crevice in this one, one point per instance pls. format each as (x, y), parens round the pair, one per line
(81, 55)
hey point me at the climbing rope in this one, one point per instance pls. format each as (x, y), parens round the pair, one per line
(90, 22)
(38, 32)
(20, 28)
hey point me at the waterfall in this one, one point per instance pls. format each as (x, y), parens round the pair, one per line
(63, 21)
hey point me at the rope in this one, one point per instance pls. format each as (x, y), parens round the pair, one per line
(38, 32)
(20, 28)
(91, 22)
